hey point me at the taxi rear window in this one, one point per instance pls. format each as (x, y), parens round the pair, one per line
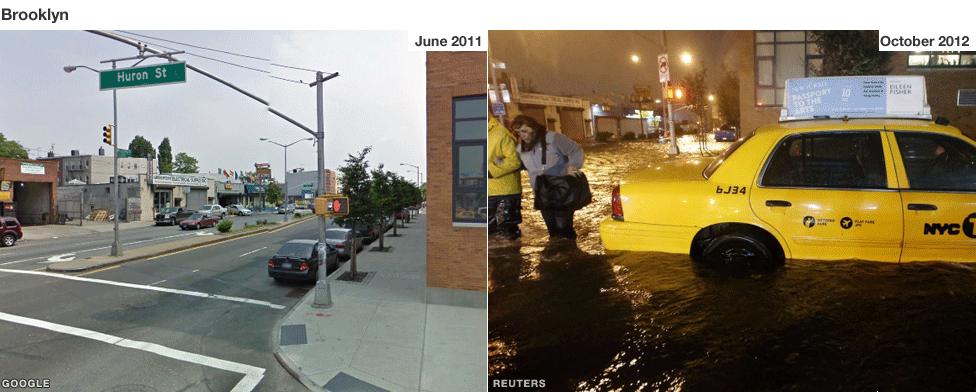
(712, 167)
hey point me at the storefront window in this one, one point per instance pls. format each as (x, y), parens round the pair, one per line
(470, 143)
(782, 55)
(942, 60)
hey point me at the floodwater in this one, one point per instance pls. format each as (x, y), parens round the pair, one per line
(581, 319)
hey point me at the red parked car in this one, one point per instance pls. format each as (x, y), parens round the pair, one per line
(198, 220)
(10, 231)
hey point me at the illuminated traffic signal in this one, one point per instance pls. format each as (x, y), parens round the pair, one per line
(339, 206)
(675, 93)
(332, 205)
(107, 134)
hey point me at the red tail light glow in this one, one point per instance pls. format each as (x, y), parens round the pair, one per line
(340, 246)
(303, 267)
(617, 207)
(271, 263)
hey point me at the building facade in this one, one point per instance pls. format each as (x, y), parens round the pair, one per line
(567, 115)
(457, 236)
(302, 184)
(97, 169)
(768, 58)
(29, 190)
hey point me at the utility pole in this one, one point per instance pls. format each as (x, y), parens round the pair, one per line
(116, 247)
(321, 78)
(673, 148)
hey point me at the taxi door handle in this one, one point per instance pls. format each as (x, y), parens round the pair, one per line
(778, 203)
(922, 207)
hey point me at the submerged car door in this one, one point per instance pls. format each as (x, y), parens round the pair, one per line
(832, 195)
(939, 199)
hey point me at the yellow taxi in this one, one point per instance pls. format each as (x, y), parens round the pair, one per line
(892, 189)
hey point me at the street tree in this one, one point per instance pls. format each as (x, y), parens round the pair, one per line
(142, 148)
(696, 93)
(185, 164)
(165, 156)
(272, 193)
(850, 52)
(728, 98)
(383, 198)
(11, 149)
(354, 180)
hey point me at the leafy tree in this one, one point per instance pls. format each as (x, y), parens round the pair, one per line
(165, 156)
(11, 149)
(383, 197)
(355, 182)
(728, 98)
(696, 92)
(142, 148)
(850, 52)
(185, 164)
(272, 193)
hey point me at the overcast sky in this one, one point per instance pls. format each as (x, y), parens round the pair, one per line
(378, 99)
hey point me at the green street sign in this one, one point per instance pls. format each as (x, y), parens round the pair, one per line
(150, 75)
(123, 153)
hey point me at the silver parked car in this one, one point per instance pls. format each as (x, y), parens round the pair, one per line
(341, 239)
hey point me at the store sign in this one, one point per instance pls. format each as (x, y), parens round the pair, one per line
(856, 97)
(178, 180)
(254, 189)
(550, 100)
(31, 168)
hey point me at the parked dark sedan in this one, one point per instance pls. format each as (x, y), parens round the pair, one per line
(198, 220)
(10, 231)
(172, 215)
(301, 259)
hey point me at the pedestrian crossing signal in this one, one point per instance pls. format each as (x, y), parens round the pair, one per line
(107, 134)
(332, 205)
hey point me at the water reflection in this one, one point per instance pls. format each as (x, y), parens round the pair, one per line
(585, 320)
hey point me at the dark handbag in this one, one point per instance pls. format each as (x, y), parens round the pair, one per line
(567, 193)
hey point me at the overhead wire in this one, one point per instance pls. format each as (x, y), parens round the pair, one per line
(144, 38)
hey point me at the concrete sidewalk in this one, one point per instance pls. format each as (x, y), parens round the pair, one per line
(390, 332)
(46, 232)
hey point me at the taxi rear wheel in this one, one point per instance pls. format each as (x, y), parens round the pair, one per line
(736, 250)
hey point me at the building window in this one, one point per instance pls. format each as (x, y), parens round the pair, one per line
(782, 55)
(470, 140)
(942, 60)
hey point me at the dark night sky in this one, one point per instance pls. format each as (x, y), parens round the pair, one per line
(597, 63)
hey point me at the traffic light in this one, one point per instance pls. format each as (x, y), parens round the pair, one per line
(107, 134)
(332, 205)
(339, 206)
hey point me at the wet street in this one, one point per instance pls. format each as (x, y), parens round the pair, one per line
(581, 319)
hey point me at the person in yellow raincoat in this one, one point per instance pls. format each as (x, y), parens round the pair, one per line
(504, 182)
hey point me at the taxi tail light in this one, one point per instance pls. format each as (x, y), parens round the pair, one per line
(303, 267)
(617, 208)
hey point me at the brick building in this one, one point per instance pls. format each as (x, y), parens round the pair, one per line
(29, 190)
(457, 236)
(767, 58)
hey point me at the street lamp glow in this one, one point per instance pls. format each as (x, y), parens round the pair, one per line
(657, 101)
(686, 58)
(634, 58)
(711, 98)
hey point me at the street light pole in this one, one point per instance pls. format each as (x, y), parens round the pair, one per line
(116, 246)
(418, 171)
(285, 146)
(320, 79)
(673, 148)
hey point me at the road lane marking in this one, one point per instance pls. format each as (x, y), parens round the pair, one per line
(252, 374)
(97, 249)
(60, 258)
(195, 270)
(145, 287)
(262, 248)
(155, 283)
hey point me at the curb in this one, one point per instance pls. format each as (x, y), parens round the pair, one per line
(177, 249)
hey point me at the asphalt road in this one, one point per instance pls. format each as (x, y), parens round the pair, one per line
(38, 253)
(188, 343)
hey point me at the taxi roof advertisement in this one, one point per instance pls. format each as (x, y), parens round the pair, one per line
(856, 96)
